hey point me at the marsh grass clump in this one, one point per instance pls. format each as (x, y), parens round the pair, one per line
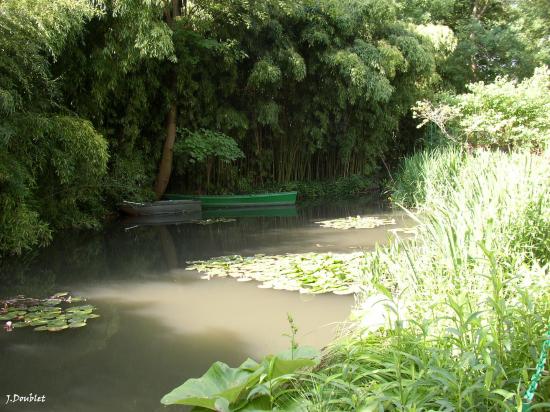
(468, 298)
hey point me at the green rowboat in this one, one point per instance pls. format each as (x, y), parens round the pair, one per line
(222, 201)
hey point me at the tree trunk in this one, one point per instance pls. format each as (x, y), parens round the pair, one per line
(165, 166)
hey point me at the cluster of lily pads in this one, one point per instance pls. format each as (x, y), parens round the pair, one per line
(307, 273)
(52, 314)
(358, 222)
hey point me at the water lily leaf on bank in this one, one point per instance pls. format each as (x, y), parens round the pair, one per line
(290, 361)
(220, 381)
(259, 404)
(223, 388)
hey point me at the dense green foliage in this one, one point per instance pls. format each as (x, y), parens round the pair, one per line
(307, 90)
(493, 37)
(504, 114)
(51, 161)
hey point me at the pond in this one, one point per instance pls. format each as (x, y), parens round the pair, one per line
(161, 324)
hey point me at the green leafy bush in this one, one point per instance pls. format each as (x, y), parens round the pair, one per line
(343, 187)
(52, 163)
(203, 145)
(505, 114)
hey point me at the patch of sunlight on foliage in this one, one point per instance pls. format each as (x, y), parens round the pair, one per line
(505, 114)
(442, 37)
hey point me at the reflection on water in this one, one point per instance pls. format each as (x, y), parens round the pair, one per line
(162, 324)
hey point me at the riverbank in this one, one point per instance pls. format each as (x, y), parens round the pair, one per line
(467, 302)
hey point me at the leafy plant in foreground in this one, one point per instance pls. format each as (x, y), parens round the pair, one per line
(252, 386)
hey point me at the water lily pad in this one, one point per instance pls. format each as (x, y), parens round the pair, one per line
(56, 328)
(9, 316)
(80, 308)
(57, 323)
(77, 324)
(41, 328)
(38, 322)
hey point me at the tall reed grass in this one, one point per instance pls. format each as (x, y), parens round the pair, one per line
(468, 299)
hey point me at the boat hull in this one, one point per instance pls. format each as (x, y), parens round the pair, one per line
(238, 201)
(162, 207)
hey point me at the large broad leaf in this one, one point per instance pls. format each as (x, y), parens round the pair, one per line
(292, 360)
(260, 404)
(219, 385)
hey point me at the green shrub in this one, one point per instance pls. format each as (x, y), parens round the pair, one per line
(504, 114)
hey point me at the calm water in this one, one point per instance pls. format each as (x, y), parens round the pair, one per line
(161, 324)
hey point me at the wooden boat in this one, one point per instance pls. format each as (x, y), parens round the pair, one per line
(235, 201)
(162, 207)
